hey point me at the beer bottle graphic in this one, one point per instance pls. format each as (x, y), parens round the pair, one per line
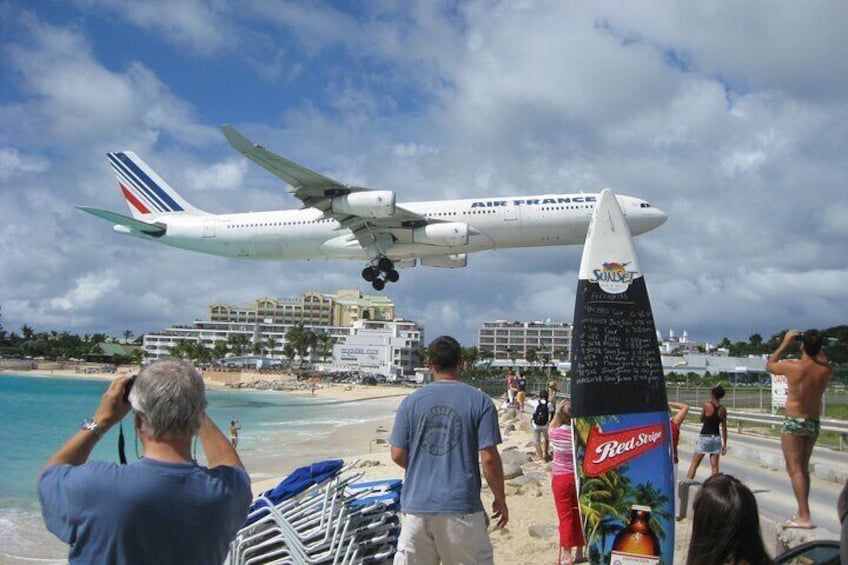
(636, 544)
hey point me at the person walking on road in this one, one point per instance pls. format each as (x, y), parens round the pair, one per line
(806, 378)
(443, 435)
(709, 442)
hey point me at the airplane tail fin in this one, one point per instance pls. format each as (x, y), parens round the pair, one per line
(146, 193)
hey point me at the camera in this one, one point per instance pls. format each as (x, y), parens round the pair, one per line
(798, 337)
(128, 388)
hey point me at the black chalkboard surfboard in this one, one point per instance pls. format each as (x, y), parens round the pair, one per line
(618, 401)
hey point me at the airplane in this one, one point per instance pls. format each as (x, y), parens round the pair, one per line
(340, 221)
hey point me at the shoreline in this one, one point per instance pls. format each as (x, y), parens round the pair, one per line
(531, 534)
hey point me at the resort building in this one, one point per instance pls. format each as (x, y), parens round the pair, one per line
(262, 328)
(310, 309)
(522, 343)
(385, 348)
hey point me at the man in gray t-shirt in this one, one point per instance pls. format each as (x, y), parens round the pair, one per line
(441, 435)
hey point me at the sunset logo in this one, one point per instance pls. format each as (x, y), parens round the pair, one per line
(613, 277)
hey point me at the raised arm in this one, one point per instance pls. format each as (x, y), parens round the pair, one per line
(774, 364)
(681, 410)
(111, 410)
(218, 449)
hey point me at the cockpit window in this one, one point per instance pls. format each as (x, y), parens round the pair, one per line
(644, 205)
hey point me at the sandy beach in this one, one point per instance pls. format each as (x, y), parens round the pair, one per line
(530, 536)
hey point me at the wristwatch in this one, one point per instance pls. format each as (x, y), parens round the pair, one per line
(91, 426)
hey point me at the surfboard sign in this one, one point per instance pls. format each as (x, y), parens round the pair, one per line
(619, 406)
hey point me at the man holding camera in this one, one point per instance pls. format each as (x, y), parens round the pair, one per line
(806, 378)
(163, 508)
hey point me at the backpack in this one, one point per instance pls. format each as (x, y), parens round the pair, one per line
(540, 415)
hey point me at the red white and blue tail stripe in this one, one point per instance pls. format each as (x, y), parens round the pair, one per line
(146, 193)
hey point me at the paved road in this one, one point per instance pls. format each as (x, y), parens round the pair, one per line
(758, 462)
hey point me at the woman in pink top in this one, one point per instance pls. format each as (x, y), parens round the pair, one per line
(564, 487)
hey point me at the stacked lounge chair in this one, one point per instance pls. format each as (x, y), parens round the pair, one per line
(320, 514)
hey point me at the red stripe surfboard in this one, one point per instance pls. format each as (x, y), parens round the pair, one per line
(622, 439)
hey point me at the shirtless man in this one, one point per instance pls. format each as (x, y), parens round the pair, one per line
(807, 380)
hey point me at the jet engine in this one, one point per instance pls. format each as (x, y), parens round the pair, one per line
(449, 234)
(366, 204)
(447, 261)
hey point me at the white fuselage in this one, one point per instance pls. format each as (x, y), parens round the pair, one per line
(504, 222)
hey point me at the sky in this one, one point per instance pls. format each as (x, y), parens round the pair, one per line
(732, 117)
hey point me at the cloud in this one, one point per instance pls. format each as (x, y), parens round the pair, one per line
(729, 118)
(13, 163)
(200, 26)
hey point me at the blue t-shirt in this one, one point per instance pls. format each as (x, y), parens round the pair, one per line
(443, 426)
(146, 512)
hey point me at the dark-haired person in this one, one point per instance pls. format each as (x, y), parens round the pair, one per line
(442, 434)
(163, 508)
(806, 380)
(709, 442)
(726, 525)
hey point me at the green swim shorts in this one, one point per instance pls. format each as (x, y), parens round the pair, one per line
(801, 427)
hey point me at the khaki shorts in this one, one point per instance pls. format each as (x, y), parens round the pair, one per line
(452, 539)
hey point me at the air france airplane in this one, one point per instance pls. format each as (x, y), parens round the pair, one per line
(339, 221)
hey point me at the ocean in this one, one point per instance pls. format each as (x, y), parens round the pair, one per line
(38, 414)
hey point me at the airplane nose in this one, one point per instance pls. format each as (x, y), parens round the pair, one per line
(658, 218)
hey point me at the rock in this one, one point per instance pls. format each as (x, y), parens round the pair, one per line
(511, 490)
(511, 470)
(509, 428)
(380, 441)
(370, 463)
(522, 480)
(514, 456)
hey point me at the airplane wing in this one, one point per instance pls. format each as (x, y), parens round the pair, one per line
(317, 191)
(154, 230)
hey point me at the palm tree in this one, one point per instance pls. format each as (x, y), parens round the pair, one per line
(219, 350)
(302, 339)
(470, 355)
(647, 495)
(325, 345)
(511, 354)
(421, 352)
(127, 335)
(289, 352)
(270, 345)
(238, 343)
(532, 356)
(486, 356)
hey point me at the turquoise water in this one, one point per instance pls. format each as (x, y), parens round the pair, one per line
(37, 415)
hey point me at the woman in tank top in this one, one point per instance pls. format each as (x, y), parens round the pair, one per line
(564, 486)
(709, 442)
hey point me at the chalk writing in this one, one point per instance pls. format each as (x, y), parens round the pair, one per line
(615, 352)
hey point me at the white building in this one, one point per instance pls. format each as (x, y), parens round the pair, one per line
(388, 348)
(510, 341)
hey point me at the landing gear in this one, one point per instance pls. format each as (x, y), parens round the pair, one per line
(383, 266)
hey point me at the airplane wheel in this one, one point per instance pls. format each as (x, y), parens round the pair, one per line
(378, 284)
(385, 264)
(370, 273)
(392, 275)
